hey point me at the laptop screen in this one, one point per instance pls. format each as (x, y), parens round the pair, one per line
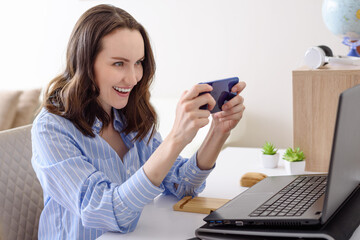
(344, 169)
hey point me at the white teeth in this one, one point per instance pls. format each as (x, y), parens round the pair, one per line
(122, 90)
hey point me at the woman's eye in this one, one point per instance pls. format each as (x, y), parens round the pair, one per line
(139, 62)
(118, 64)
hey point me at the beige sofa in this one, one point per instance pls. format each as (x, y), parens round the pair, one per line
(21, 199)
(18, 108)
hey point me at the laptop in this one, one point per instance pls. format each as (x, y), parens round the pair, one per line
(303, 200)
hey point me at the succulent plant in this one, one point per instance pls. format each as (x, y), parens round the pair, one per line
(294, 155)
(269, 149)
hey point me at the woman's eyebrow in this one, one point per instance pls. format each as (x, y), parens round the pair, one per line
(121, 58)
(125, 59)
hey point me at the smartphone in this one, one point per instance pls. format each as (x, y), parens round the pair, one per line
(221, 92)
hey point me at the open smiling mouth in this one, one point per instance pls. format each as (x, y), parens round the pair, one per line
(122, 90)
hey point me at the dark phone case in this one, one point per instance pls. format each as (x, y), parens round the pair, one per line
(221, 92)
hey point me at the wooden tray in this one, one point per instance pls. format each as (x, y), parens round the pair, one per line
(199, 204)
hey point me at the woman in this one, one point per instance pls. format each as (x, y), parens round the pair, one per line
(96, 151)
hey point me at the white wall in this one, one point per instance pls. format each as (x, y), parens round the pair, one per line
(260, 41)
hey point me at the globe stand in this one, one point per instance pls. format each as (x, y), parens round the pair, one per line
(353, 45)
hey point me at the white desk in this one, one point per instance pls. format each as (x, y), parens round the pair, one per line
(159, 221)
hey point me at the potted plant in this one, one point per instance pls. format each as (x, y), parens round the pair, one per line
(269, 156)
(294, 161)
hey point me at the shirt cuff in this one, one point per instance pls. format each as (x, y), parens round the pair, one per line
(138, 191)
(193, 174)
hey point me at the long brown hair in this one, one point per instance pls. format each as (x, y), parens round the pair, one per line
(73, 94)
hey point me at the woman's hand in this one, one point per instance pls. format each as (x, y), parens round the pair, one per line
(189, 117)
(223, 122)
(231, 113)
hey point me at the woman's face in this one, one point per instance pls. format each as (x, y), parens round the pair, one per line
(118, 67)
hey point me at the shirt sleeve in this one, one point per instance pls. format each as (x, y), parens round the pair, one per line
(185, 178)
(68, 178)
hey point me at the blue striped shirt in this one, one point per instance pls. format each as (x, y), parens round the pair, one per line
(88, 190)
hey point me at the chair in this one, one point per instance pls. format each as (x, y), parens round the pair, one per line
(21, 198)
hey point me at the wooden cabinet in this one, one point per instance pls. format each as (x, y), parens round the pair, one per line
(315, 101)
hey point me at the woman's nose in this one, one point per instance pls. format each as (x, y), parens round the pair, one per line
(131, 77)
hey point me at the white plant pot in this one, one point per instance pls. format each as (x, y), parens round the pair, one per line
(294, 168)
(269, 161)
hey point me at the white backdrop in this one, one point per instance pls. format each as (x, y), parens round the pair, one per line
(260, 41)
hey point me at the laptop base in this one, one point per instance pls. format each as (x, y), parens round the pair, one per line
(340, 226)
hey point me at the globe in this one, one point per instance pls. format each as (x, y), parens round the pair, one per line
(342, 18)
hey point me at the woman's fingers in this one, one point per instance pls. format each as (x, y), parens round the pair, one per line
(198, 96)
(196, 90)
(239, 87)
(233, 110)
(233, 102)
(189, 117)
(233, 114)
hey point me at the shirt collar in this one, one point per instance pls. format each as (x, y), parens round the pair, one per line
(118, 122)
(97, 126)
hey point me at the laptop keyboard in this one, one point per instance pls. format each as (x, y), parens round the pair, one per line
(294, 199)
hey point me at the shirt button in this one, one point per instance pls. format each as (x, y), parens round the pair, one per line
(128, 171)
(186, 179)
(193, 171)
(97, 124)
